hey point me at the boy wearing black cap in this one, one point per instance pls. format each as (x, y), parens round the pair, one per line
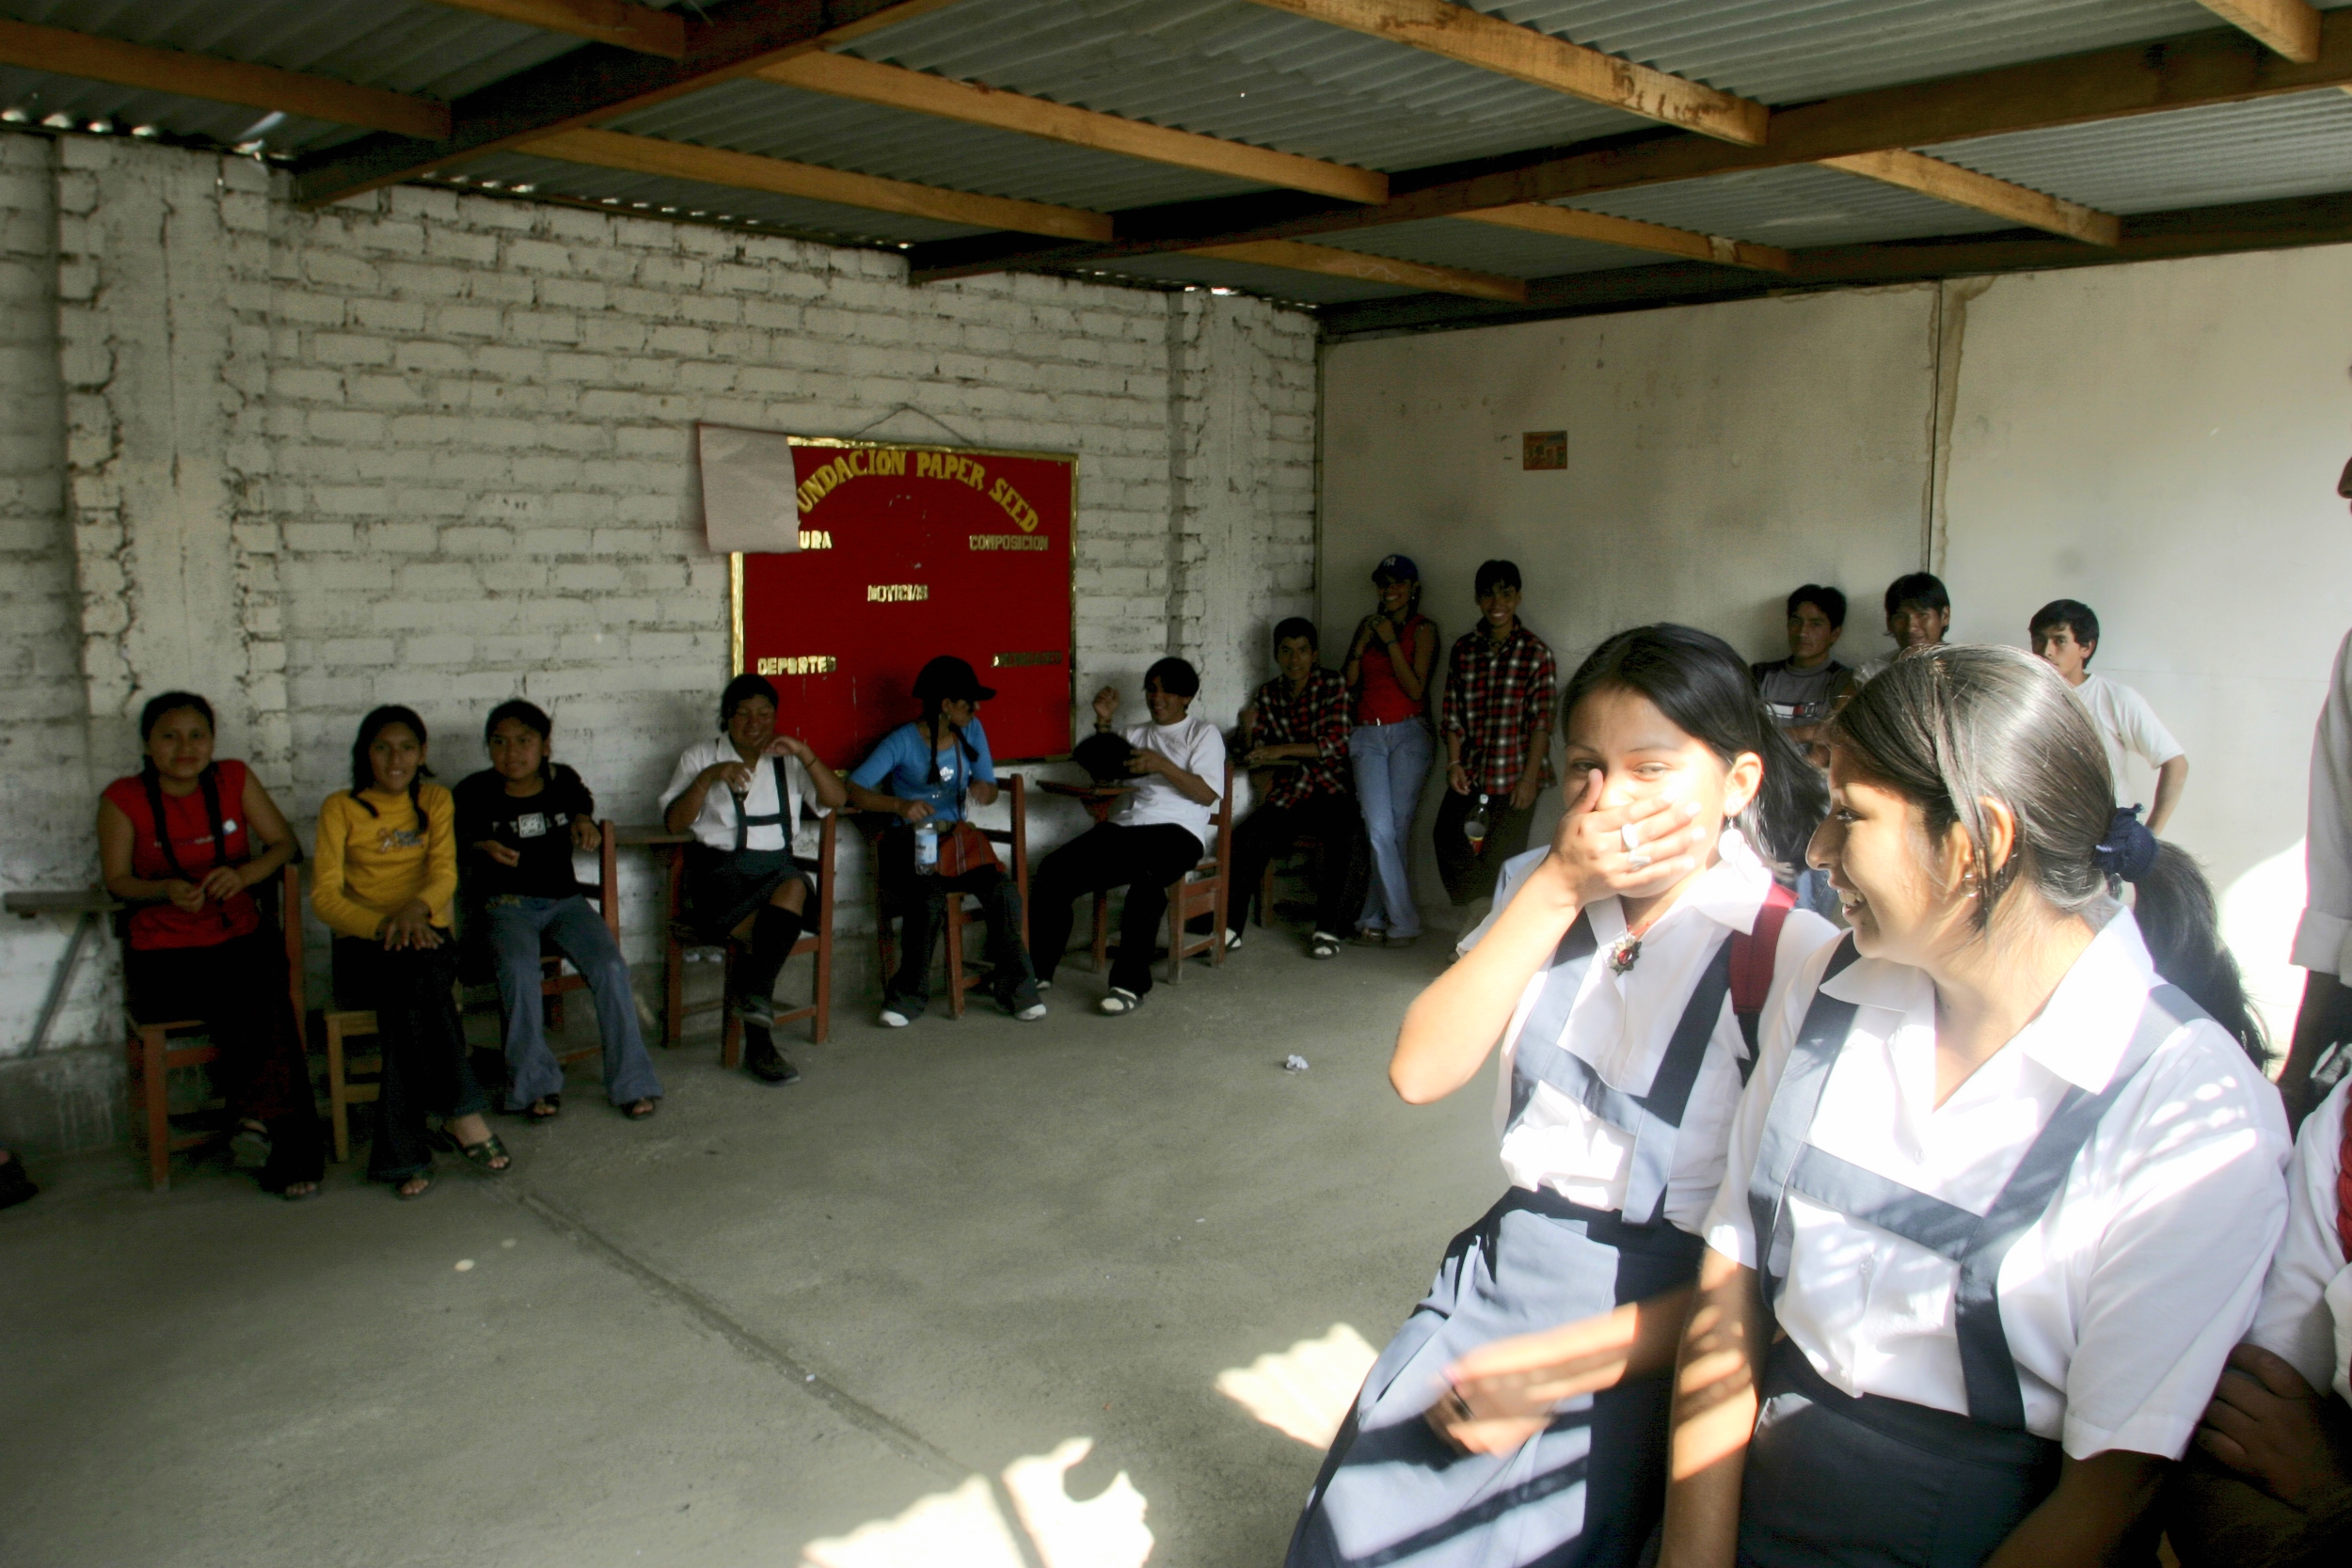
(923, 773)
(1498, 738)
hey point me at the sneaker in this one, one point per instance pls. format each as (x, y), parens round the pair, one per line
(249, 1148)
(1368, 936)
(1120, 1001)
(1323, 945)
(895, 1017)
(1233, 940)
(756, 1009)
(1031, 1013)
(1045, 985)
(766, 1063)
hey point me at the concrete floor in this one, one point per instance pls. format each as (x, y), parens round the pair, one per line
(768, 1319)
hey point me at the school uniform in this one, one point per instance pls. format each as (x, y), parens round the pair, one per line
(743, 845)
(1615, 1096)
(2305, 1312)
(2125, 1158)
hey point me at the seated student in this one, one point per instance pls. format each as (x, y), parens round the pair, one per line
(1300, 720)
(384, 880)
(1498, 738)
(184, 840)
(1161, 832)
(923, 774)
(740, 878)
(1802, 689)
(1999, 1196)
(1918, 614)
(519, 820)
(2065, 632)
(2272, 1480)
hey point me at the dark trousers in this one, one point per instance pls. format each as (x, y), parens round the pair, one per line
(427, 1069)
(238, 988)
(1271, 832)
(1144, 860)
(1468, 872)
(920, 904)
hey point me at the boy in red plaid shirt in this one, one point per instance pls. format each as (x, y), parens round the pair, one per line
(1296, 729)
(1498, 737)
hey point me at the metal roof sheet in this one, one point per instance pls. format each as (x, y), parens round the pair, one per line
(1803, 205)
(1486, 247)
(1281, 283)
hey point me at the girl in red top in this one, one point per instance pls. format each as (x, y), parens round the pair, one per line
(1388, 669)
(184, 840)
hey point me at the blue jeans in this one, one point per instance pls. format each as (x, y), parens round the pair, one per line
(516, 927)
(1392, 762)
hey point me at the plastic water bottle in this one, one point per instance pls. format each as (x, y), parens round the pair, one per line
(927, 847)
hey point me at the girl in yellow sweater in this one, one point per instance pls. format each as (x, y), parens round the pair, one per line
(384, 878)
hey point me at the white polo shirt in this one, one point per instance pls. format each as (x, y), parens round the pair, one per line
(715, 824)
(1621, 1025)
(2127, 725)
(2123, 1302)
(2306, 1313)
(1193, 744)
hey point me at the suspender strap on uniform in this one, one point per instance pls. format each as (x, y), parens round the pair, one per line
(1654, 1118)
(744, 822)
(1794, 1101)
(2344, 1189)
(1753, 953)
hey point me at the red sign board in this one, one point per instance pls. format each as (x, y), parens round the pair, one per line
(907, 553)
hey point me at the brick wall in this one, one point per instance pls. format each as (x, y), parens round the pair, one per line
(433, 448)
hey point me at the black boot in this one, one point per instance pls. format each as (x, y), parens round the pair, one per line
(763, 1060)
(773, 933)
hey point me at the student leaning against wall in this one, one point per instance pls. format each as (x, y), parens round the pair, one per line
(184, 841)
(384, 880)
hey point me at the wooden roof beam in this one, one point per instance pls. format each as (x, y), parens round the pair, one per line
(714, 165)
(1569, 223)
(599, 81)
(190, 75)
(1964, 187)
(870, 82)
(1332, 261)
(615, 22)
(2288, 28)
(1525, 55)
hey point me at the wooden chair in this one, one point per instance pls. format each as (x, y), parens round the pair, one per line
(155, 1049)
(1306, 846)
(1201, 890)
(962, 978)
(553, 982)
(681, 935)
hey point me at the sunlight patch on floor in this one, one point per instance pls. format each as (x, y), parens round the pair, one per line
(967, 1528)
(1305, 1391)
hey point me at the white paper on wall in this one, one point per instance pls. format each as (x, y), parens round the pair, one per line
(748, 481)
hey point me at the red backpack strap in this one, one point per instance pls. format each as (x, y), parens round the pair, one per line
(1751, 955)
(2343, 1184)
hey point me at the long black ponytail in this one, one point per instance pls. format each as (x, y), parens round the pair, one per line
(1696, 679)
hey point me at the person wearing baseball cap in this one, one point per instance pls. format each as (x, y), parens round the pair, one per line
(926, 775)
(1390, 747)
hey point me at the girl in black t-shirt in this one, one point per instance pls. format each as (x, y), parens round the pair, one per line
(519, 821)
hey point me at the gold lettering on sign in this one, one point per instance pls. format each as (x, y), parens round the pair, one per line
(1023, 515)
(897, 593)
(1014, 662)
(946, 464)
(800, 664)
(816, 539)
(1009, 542)
(849, 466)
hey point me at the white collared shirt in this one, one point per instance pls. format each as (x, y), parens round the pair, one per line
(1620, 1027)
(2127, 726)
(715, 824)
(1193, 744)
(2306, 1313)
(2123, 1302)
(2323, 940)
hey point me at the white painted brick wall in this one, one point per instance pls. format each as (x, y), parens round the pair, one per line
(458, 437)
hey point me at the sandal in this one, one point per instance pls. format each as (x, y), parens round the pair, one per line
(1323, 945)
(1120, 1001)
(638, 1110)
(402, 1190)
(478, 1155)
(288, 1193)
(546, 1108)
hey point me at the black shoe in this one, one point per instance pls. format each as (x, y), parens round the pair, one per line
(766, 1063)
(15, 1187)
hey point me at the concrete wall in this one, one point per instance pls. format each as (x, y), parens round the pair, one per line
(2161, 441)
(433, 448)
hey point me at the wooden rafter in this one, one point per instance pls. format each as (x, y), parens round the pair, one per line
(868, 81)
(1507, 49)
(2289, 27)
(1568, 223)
(2218, 67)
(615, 22)
(714, 165)
(1332, 261)
(259, 87)
(599, 81)
(1964, 187)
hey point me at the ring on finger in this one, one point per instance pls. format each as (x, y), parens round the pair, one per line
(1638, 859)
(1630, 834)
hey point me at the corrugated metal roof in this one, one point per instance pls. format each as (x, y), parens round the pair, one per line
(1208, 272)
(1804, 205)
(1485, 247)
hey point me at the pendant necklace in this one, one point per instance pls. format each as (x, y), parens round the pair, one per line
(1627, 950)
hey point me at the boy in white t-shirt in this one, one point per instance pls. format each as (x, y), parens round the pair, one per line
(2065, 634)
(1161, 832)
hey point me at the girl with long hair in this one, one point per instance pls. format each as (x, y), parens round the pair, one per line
(1518, 1417)
(385, 880)
(2003, 1186)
